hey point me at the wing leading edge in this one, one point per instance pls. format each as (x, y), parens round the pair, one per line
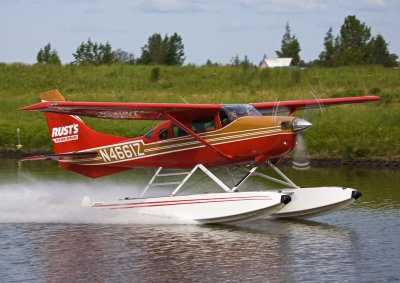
(295, 105)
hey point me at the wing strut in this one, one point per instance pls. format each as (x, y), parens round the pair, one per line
(196, 136)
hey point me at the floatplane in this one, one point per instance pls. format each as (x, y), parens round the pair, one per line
(193, 137)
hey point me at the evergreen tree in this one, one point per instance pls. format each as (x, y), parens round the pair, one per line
(354, 46)
(290, 47)
(105, 54)
(163, 51)
(235, 61)
(48, 56)
(326, 58)
(174, 50)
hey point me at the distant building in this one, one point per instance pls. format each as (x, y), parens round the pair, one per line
(278, 62)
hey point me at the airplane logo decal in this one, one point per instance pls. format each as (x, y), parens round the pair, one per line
(65, 133)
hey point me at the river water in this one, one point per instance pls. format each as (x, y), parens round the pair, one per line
(46, 236)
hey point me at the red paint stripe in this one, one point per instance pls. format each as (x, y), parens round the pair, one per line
(183, 200)
(182, 203)
(179, 202)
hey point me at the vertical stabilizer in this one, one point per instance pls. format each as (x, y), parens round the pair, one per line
(69, 133)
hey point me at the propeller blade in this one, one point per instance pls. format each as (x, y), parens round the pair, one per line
(301, 159)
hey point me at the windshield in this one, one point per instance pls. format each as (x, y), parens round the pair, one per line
(241, 110)
(230, 112)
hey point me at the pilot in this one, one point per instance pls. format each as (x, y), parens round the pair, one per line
(233, 116)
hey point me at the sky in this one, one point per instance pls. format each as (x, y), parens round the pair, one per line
(211, 29)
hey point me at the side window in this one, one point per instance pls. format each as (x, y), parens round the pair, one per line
(178, 132)
(203, 124)
(163, 134)
(149, 134)
(224, 118)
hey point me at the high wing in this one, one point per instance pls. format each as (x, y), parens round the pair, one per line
(127, 110)
(181, 111)
(295, 105)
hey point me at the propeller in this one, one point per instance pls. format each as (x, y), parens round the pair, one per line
(301, 159)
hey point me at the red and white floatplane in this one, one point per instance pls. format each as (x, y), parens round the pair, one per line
(193, 137)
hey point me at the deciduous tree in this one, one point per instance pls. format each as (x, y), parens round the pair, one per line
(353, 42)
(379, 54)
(121, 56)
(93, 53)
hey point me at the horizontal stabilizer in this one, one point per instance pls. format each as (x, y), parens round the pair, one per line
(62, 156)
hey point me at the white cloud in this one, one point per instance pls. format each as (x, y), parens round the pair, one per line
(233, 26)
(97, 30)
(365, 5)
(177, 6)
(375, 3)
(285, 6)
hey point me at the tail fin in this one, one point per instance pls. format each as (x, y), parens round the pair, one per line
(69, 133)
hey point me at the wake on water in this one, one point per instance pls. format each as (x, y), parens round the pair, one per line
(34, 201)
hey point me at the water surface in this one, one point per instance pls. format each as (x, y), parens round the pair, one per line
(45, 235)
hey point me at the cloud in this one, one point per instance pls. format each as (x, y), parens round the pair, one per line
(365, 5)
(98, 30)
(233, 26)
(177, 6)
(285, 6)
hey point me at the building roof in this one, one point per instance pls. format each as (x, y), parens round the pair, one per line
(278, 62)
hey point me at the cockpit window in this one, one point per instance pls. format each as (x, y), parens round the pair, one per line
(230, 112)
(203, 124)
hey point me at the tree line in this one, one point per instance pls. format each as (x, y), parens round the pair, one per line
(354, 45)
(167, 50)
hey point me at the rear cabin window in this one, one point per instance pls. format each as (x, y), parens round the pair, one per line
(163, 134)
(178, 132)
(203, 124)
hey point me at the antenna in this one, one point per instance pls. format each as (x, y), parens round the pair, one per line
(183, 99)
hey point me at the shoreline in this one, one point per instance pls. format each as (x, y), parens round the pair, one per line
(316, 162)
(367, 163)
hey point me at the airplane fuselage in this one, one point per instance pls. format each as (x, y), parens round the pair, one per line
(246, 140)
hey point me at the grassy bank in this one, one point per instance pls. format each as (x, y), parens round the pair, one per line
(348, 132)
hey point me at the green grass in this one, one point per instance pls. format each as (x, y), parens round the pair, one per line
(348, 132)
